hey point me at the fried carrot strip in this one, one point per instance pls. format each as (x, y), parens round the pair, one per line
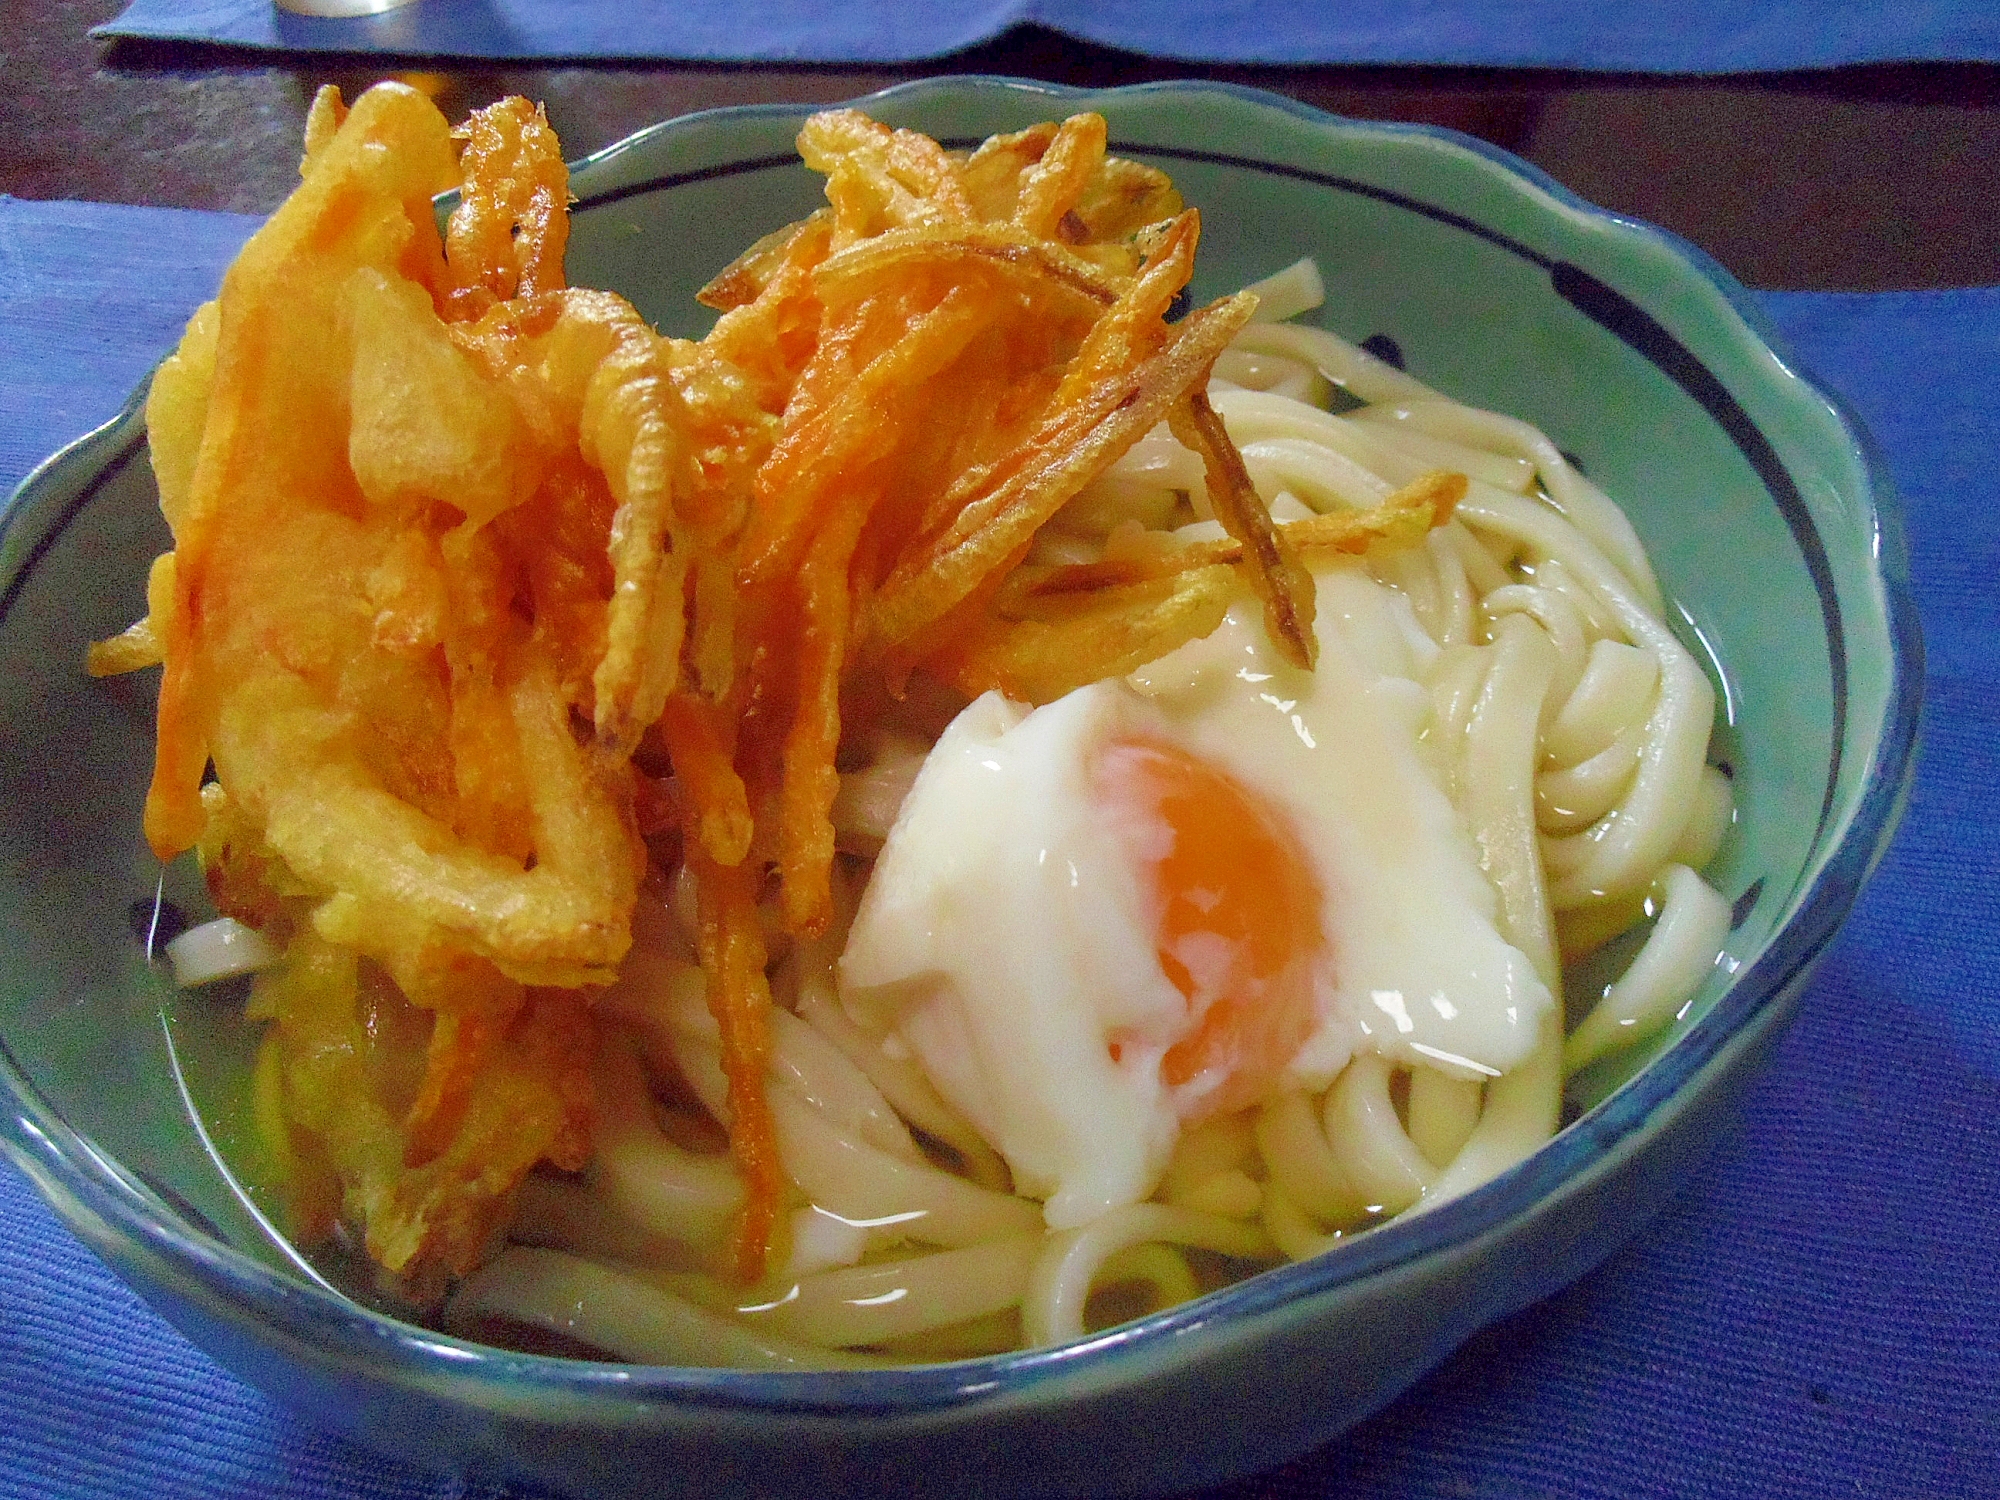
(730, 943)
(994, 172)
(1136, 326)
(1050, 189)
(718, 809)
(878, 178)
(532, 1101)
(1039, 270)
(1401, 520)
(462, 1039)
(745, 278)
(805, 820)
(1277, 576)
(862, 417)
(1114, 631)
(922, 163)
(768, 339)
(997, 519)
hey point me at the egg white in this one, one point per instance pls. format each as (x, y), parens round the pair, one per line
(1005, 936)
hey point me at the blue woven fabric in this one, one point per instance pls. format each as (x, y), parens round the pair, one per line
(1639, 35)
(1816, 1315)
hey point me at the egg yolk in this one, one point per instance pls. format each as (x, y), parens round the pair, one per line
(1237, 907)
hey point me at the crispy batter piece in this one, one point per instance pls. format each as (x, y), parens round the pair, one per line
(334, 1092)
(507, 236)
(454, 541)
(393, 579)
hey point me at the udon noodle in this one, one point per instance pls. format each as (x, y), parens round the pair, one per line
(1567, 726)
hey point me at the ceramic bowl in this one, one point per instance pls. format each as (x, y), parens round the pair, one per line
(1764, 517)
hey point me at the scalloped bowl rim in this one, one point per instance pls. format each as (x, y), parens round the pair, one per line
(118, 1215)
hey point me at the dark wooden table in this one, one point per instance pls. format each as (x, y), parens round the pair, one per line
(1857, 179)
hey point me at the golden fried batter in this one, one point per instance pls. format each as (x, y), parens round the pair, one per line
(455, 541)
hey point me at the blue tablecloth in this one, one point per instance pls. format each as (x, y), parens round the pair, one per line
(1818, 1314)
(1664, 36)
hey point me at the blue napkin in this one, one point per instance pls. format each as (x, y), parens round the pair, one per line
(1663, 36)
(1816, 1314)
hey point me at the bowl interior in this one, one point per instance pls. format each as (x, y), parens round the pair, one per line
(1752, 496)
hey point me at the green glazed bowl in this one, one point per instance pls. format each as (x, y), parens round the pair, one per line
(1768, 525)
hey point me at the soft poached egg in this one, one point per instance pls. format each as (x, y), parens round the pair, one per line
(1170, 895)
